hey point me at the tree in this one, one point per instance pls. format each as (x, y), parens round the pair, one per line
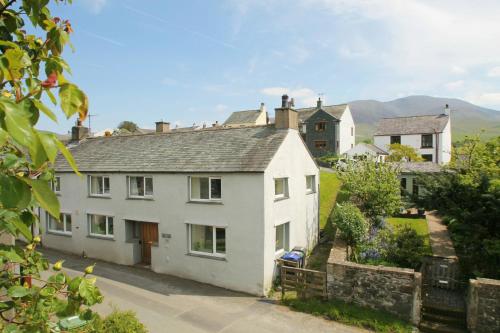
(373, 187)
(129, 126)
(32, 70)
(353, 226)
(399, 152)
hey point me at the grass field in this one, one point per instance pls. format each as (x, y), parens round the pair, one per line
(329, 188)
(417, 224)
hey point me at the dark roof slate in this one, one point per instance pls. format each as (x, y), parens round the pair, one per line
(417, 167)
(412, 125)
(243, 117)
(247, 149)
(335, 110)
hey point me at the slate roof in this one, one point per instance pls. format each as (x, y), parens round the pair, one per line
(248, 149)
(374, 148)
(335, 110)
(243, 117)
(412, 125)
(416, 167)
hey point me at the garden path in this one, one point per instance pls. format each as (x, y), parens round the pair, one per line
(440, 240)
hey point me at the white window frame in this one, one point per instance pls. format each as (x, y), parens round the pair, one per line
(209, 189)
(285, 193)
(313, 188)
(145, 196)
(65, 231)
(214, 241)
(98, 194)
(107, 235)
(286, 226)
(56, 181)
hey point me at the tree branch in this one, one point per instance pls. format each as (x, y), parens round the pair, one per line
(7, 5)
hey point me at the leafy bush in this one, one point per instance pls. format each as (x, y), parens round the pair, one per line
(119, 322)
(405, 248)
(352, 224)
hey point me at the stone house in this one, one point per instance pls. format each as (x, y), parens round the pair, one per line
(215, 205)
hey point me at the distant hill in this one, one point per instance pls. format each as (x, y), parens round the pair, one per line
(466, 118)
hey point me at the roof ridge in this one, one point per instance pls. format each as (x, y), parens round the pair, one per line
(415, 116)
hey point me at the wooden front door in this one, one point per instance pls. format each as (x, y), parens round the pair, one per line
(149, 235)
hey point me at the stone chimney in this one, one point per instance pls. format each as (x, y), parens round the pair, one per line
(286, 117)
(162, 127)
(319, 103)
(79, 132)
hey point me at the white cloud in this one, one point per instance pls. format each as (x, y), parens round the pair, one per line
(94, 6)
(491, 99)
(494, 72)
(454, 85)
(302, 96)
(458, 70)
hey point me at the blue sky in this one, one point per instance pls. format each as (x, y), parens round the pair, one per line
(196, 61)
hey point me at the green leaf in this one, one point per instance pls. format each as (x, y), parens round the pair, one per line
(58, 278)
(89, 292)
(51, 96)
(68, 156)
(45, 196)
(14, 193)
(6, 305)
(37, 151)
(49, 144)
(73, 100)
(74, 284)
(18, 291)
(9, 44)
(17, 122)
(42, 107)
(47, 292)
(22, 228)
(12, 256)
(3, 137)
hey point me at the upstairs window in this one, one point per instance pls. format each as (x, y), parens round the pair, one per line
(140, 187)
(63, 226)
(281, 188)
(99, 185)
(426, 140)
(310, 184)
(100, 225)
(395, 139)
(56, 184)
(205, 189)
(207, 240)
(320, 126)
(282, 237)
(320, 144)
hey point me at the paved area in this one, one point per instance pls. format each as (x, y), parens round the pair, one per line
(169, 304)
(441, 243)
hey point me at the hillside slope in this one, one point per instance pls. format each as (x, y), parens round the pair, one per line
(466, 118)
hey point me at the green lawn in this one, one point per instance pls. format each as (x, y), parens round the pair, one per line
(417, 224)
(350, 314)
(329, 188)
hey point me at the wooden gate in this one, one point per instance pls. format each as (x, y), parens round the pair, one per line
(441, 272)
(306, 282)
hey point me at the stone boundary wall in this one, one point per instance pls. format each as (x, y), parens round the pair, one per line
(483, 306)
(395, 290)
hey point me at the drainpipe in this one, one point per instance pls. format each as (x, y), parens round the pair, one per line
(437, 147)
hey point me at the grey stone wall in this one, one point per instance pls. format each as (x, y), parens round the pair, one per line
(483, 306)
(330, 134)
(395, 290)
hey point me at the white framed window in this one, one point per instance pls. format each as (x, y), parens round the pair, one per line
(100, 225)
(63, 226)
(205, 188)
(207, 240)
(310, 184)
(140, 187)
(99, 186)
(281, 188)
(56, 185)
(282, 237)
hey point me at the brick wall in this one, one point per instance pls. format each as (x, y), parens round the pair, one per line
(395, 290)
(483, 306)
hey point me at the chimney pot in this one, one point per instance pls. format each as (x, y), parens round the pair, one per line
(319, 104)
(292, 102)
(162, 127)
(284, 101)
(286, 117)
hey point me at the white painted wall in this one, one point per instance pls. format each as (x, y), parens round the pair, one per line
(300, 209)
(347, 139)
(445, 144)
(361, 150)
(248, 212)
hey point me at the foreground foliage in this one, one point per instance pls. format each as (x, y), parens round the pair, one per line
(352, 225)
(119, 322)
(350, 314)
(469, 198)
(32, 71)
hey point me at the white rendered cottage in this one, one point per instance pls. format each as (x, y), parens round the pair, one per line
(216, 205)
(429, 135)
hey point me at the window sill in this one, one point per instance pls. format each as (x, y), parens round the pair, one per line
(206, 256)
(310, 192)
(141, 198)
(281, 199)
(422, 147)
(101, 237)
(97, 196)
(208, 202)
(60, 233)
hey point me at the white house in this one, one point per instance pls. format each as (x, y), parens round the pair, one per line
(216, 205)
(362, 150)
(409, 173)
(429, 135)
